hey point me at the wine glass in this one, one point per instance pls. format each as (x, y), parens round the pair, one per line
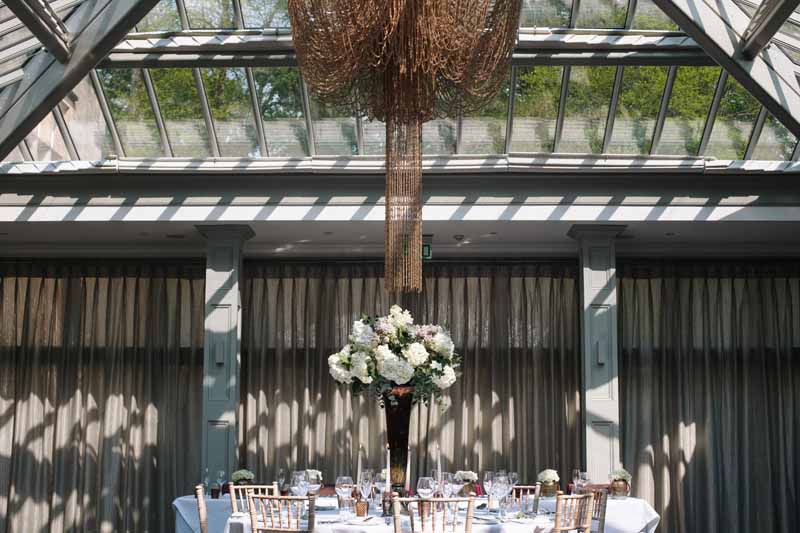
(380, 481)
(513, 478)
(488, 476)
(500, 489)
(314, 482)
(576, 480)
(365, 483)
(299, 483)
(584, 479)
(281, 479)
(426, 486)
(446, 484)
(344, 489)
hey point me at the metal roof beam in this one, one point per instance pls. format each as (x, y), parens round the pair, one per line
(719, 26)
(96, 26)
(765, 23)
(44, 23)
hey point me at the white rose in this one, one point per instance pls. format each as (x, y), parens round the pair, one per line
(395, 369)
(415, 353)
(382, 352)
(443, 344)
(359, 367)
(362, 334)
(447, 378)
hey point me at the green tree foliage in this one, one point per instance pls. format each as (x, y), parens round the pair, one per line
(537, 96)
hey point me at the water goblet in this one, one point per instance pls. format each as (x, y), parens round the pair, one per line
(488, 477)
(426, 486)
(314, 482)
(365, 483)
(344, 489)
(299, 483)
(281, 480)
(380, 481)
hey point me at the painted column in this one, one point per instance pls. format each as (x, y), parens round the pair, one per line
(221, 345)
(599, 333)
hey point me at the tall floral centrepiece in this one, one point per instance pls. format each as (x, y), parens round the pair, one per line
(400, 364)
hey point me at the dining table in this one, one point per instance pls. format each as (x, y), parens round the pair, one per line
(623, 515)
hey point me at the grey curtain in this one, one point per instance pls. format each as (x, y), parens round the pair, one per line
(100, 394)
(516, 406)
(710, 391)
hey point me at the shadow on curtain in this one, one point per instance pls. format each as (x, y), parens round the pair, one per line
(100, 393)
(517, 406)
(710, 391)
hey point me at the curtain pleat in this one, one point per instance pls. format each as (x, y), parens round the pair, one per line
(517, 405)
(100, 393)
(710, 392)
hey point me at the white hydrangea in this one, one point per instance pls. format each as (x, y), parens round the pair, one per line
(382, 352)
(338, 371)
(447, 378)
(359, 367)
(363, 334)
(385, 328)
(436, 365)
(400, 317)
(415, 353)
(443, 344)
(396, 369)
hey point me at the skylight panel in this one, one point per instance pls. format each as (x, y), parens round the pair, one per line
(588, 99)
(279, 94)
(163, 17)
(602, 13)
(265, 13)
(649, 16)
(231, 111)
(639, 101)
(210, 14)
(687, 111)
(484, 132)
(46, 142)
(334, 130)
(130, 108)
(775, 142)
(545, 13)
(176, 90)
(734, 122)
(536, 97)
(84, 119)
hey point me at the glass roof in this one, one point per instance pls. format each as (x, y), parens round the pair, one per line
(266, 111)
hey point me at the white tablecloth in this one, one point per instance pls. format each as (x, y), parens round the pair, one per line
(624, 515)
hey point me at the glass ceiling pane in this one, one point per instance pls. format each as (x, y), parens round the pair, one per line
(131, 110)
(231, 111)
(14, 156)
(602, 13)
(374, 132)
(687, 111)
(484, 132)
(163, 17)
(545, 13)
(265, 13)
(535, 108)
(649, 16)
(588, 98)
(210, 14)
(85, 122)
(439, 137)
(46, 142)
(734, 122)
(176, 91)
(775, 143)
(640, 96)
(280, 98)
(334, 130)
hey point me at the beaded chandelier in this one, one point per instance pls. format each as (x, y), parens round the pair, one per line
(404, 62)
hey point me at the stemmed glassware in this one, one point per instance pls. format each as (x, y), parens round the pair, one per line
(426, 486)
(488, 478)
(344, 489)
(299, 483)
(314, 482)
(365, 483)
(501, 487)
(281, 480)
(380, 482)
(576, 480)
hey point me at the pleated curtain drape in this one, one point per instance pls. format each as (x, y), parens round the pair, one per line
(517, 405)
(100, 393)
(710, 392)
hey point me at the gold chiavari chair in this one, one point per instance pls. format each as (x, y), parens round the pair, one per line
(599, 509)
(573, 513)
(433, 514)
(280, 513)
(200, 494)
(238, 494)
(527, 497)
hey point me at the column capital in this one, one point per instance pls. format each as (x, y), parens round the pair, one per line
(581, 232)
(226, 232)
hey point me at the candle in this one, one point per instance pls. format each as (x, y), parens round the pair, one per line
(388, 470)
(438, 463)
(408, 472)
(358, 475)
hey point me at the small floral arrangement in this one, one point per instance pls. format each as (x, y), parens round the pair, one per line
(242, 475)
(391, 350)
(548, 476)
(466, 476)
(620, 475)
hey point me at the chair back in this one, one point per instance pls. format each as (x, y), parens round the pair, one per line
(573, 513)
(200, 494)
(238, 494)
(527, 497)
(280, 513)
(433, 514)
(599, 509)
